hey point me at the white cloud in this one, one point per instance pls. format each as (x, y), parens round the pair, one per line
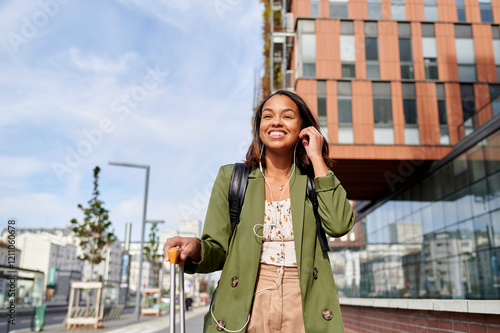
(19, 167)
(94, 63)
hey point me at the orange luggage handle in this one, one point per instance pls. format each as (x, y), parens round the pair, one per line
(174, 256)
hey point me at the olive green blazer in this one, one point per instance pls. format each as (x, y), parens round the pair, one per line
(240, 260)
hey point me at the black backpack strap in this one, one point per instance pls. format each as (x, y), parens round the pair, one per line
(311, 194)
(236, 194)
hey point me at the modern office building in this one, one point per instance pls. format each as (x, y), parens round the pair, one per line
(407, 93)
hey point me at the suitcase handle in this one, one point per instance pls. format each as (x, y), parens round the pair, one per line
(174, 256)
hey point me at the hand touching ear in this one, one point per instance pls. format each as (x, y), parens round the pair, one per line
(312, 140)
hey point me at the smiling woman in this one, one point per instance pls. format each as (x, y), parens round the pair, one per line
(275, 273)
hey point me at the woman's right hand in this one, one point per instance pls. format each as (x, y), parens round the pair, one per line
(190, 247)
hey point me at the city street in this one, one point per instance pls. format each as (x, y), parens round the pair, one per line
(126, 324)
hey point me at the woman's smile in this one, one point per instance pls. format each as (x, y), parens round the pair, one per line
(280, 123)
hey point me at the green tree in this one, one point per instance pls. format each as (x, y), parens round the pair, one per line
(93, 232)
(151, 247)
(151, 253)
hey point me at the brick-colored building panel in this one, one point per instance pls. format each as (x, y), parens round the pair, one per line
(324, 8)
(301, 8)
(415, 10)
(388, 51)
(308, 89)
(447, 10)
(472, 13)
(454, 109)
(446, 54)
(358, 9)
(386, 9)
(362, 111)
(389, 152)
(428, 121)
(327, 51)
(374, 319)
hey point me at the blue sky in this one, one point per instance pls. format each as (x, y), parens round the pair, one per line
(165, 83)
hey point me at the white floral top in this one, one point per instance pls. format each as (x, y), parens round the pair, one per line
(277, 241)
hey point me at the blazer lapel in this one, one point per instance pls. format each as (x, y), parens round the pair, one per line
(256, 194)
(297, 199)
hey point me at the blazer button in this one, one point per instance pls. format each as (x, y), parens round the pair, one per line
(234, 281)
(315, 273)
(327, 314)
(221, 324)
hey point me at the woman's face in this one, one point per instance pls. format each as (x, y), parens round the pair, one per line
(280, 124)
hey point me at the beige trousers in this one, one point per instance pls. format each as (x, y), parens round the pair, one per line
(279, 308)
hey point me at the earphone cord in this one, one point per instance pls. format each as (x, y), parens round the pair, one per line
(282, 261)
(272, 200)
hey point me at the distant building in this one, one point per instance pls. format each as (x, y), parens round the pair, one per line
(57, 256)
(6, 257)
(150, 275)
(406, 233)
(52, 256)
(190, 228)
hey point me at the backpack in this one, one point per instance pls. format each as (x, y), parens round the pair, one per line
(236, 195)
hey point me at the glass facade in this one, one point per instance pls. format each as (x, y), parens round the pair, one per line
(440, 238)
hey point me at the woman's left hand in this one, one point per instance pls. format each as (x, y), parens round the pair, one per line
(312, 140)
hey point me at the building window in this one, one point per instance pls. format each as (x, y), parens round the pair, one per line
(374, 9)
(405, 51)
(315, 8)
(339, 9)
(444, 136)
(347, 49)
(496, 48)
(461, 11)
(344, 97)
(466, 58)
(495, 98)
(398, 10)
(486, 11)
(410, 113)
(322, 120)
(431, 10)
(371, 49)
(468, 106)
(429, 51)
(382, 113)
(306, 39)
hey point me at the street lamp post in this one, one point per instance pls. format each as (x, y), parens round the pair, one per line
(139, 279)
